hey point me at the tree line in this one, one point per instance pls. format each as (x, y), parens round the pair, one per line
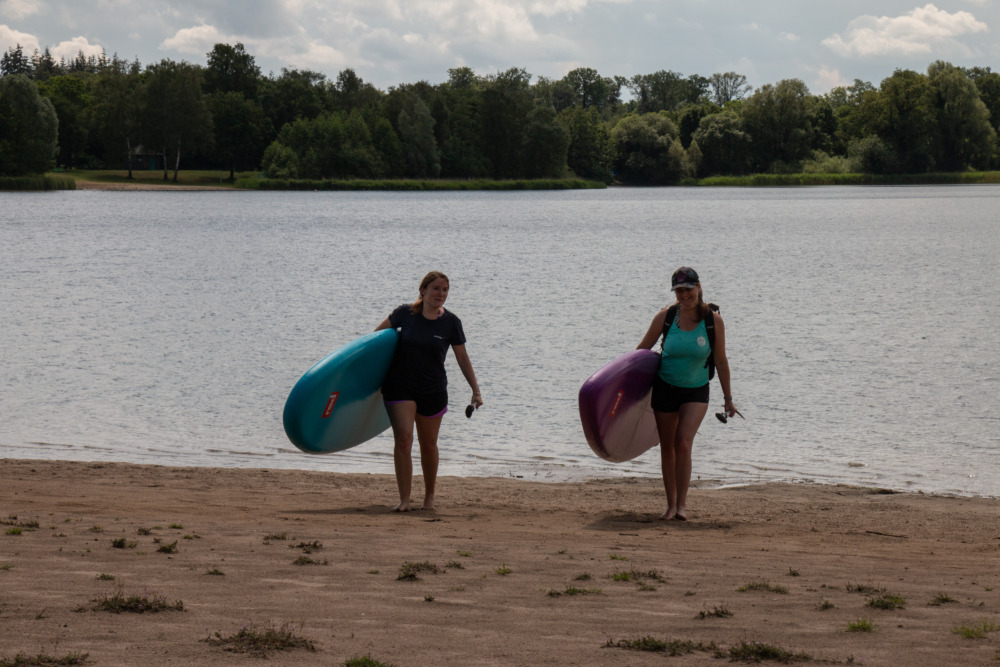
(98, 112)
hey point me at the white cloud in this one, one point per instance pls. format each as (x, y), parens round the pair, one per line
(72, 48)
(319, 56)
(790, 37)
(20, 9)
(198, 40)
(299, 51)
(553, 7)
(924, 31)
(826, 79)
(491, 19)
(10, 38)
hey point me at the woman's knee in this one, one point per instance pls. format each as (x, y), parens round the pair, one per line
(403, 442)
(428, 448)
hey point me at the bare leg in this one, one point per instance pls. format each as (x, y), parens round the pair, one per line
(666, 426)
(427, 436)
(401, 417)
(689, 419)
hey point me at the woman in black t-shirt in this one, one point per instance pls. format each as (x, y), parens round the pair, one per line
(415, 390)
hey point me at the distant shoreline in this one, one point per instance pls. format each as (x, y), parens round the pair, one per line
(141, 185)
(755, 181)
(349, 185)
(194, 181)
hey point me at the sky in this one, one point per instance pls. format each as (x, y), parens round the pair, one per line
(392, 42)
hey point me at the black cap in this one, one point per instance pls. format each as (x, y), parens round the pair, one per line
(684, 277)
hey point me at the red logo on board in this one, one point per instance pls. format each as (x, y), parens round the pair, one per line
(618, 399)
(330, 403)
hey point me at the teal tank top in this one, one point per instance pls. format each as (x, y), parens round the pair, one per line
(682, 362)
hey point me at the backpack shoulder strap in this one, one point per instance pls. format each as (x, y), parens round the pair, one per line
(668, 320)
(710, 323)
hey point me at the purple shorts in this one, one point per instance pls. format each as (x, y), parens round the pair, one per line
(428, 405)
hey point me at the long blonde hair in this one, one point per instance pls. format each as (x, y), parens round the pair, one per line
(418, 305)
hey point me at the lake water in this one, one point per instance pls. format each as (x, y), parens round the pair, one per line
(168, 328)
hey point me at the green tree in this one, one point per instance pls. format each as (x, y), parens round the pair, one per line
(461, 143)
(873, 156)
(853, 107)
(723, 145)
(587, 88)
(988, 84)
(293, 95)
(666, 90)
(360, 159)
(318, 144)
(557, 93)
(116, 110)
(71, 100)
(647, 150)
(416, 134)
(14, 61)
(176, 116)
(694, 157)
(546, 144)
(351, 92)
(690, 117)
(239, 130)
(823, 122)
(401, 97)
(590, 144)
(965, 137)
(43, 65)
(388, 149)
(230, 69)
(280, 161)
(727, 87)
(29, 129)
(506, 103)
(904, 118)
(778, 120)
(84, 64)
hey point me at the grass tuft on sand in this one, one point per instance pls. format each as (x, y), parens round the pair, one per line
(261, 642)
(116, 602)
(43, 660)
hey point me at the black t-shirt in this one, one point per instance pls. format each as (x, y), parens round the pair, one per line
(418, 364)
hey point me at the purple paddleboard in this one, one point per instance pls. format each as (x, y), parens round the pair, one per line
(614, 407)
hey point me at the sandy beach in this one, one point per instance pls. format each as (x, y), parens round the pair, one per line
(526, 572)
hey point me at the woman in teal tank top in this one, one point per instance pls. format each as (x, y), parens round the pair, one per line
(680, 389)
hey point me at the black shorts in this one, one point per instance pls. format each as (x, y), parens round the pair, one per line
(429, 404)
(668, 398)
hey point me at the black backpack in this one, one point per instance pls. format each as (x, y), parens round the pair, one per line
(709, 327)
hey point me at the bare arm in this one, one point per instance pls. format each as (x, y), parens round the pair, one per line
(384, 325)
(722, 366)
(654, 331)
(464, 363)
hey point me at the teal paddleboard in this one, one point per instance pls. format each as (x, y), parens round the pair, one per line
(337, 404)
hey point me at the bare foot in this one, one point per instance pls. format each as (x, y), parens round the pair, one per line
(428, 504)
(669, 514)
(402, 507)
(681, 514)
